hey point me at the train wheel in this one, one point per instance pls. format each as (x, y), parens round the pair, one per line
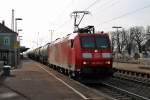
(63, 70)
(72, 75)
(60, 70)
(66, 72)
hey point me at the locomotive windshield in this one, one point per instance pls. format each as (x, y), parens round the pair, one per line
(87, 42)
(94, 42)
(101, 42)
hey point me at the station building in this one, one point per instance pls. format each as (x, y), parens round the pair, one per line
(9, 46)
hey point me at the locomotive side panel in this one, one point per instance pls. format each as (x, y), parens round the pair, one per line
(60, 54)
(64, 52)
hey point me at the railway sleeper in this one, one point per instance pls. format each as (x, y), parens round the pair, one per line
(133, 74)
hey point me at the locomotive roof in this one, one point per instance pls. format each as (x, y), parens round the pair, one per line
(73, 35)
(68, 37)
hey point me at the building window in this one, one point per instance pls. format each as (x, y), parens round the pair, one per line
(3, 55)
(6, 41)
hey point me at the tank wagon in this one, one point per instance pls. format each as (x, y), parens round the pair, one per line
(82, 53)
(43, 53)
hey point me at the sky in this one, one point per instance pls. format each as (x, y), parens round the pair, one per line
(41, 17)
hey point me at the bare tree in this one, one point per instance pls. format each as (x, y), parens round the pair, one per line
(138, 35)
(113, 40)
(123, 39)
(116, 41)
(147, 44)
(148, 32)
(120, 40)
(129, 40)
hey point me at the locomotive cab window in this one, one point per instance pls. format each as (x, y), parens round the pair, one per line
(101, 42)
(87, 42)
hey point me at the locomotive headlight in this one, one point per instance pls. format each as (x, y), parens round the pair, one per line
(106, 55)
(87, 55)
(108, 62)
(84, 62)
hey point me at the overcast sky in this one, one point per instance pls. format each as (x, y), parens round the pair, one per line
(41, 16)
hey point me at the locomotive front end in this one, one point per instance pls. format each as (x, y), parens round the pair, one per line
(95, 55)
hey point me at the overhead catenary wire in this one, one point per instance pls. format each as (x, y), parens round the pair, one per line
(101, 5)
(111, 2)
(67, 21)
(66, 8)
(89, 7)
(126, 14)
(62, 25)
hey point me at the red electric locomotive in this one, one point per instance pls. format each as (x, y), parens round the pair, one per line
(83, 53)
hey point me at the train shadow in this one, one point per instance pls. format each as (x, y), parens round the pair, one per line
(93, 80)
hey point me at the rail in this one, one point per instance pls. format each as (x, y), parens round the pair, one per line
(133, 95)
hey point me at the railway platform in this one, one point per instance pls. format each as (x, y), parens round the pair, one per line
(134, 67)
(34, 81)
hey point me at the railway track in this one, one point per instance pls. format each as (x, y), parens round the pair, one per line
(120, 93)
(124, 89)
(134, 76)
(125, 86)
(140, 80)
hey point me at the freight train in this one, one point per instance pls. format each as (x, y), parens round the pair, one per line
(83, 53)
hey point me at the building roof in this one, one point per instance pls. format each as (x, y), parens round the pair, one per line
(5, 29)
(23, 49)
